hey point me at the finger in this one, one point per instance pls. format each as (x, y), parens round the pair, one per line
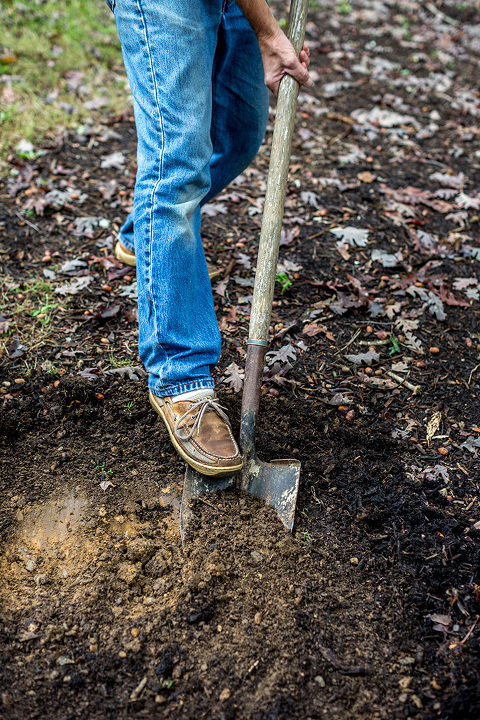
(301, 74)
(305, 59)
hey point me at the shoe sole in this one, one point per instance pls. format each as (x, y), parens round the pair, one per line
(131, 260)
(195, 464)
(124, 257)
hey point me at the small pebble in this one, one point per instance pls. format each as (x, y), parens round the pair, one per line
(320, 681)
(257, 618)
(354, 561)
(224, 695)
(434, 350)
(19, 381)
(122, 654)
(135, 632)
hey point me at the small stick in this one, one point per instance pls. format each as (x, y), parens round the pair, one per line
(415, 389)
(470, 377)
(32, 225)
(442, 15)
(352, 340)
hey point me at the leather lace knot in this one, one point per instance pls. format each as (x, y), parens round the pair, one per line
(200, 406)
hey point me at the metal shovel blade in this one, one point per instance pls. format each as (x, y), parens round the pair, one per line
(276, 482)
(194, 485)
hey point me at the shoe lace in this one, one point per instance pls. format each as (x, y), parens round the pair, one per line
(201, 406)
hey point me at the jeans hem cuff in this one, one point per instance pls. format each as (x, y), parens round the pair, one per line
(181, 388)
(125, 242)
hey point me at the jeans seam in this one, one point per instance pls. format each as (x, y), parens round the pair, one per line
(160, 163)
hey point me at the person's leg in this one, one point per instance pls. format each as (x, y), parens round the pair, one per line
(240, 100)
(169, 52)
(125, 234)
(240, 107)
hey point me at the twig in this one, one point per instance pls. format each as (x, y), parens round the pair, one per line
(470, 376)
(438, 13)
(352, 340)
(32, 225)
(205, 502)
(338, 664)
(415, 389)
(229, 268)
(469, 632)
(470, 504)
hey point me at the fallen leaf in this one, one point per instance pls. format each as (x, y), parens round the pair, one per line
(352, 235)
(16, 349)
(129, 291)
(433, 425)
(75, 286)
(367, 358)
(114, 160)
(286, 353)
(471, 444)
(387, 259)
(234, 376)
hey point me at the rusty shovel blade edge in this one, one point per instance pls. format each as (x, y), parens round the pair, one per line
(276, 482)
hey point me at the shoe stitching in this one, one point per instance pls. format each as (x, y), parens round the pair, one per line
(212, 455)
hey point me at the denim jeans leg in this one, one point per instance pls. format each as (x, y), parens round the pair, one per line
(125, 234)
(240, 99)
(240, 106)
(169, 49)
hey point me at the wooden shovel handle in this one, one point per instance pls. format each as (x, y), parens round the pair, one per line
(271, 229)
(276, 186)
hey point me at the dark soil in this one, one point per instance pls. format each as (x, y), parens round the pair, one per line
(369, 609)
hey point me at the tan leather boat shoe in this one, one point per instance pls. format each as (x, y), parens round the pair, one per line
(200, 431)
(125, 255)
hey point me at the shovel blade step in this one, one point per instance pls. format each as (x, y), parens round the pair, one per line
(277, 483)
(195, 484)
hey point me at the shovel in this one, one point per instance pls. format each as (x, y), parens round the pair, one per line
(277, 481)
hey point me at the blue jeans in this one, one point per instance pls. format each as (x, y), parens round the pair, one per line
(201, 109)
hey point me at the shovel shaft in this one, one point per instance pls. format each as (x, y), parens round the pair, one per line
(270, 235)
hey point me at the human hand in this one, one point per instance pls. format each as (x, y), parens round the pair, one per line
(279, 59)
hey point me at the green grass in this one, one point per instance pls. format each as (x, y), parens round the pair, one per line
(41, 41)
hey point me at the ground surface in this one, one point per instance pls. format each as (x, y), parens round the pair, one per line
(370, 608)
